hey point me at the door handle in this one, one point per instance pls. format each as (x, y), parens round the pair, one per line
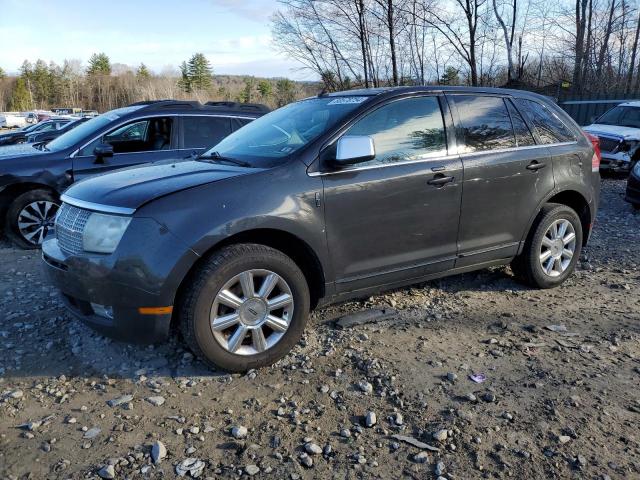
(535, 165)
(440, 180)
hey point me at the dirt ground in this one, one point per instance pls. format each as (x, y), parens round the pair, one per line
(561, 397)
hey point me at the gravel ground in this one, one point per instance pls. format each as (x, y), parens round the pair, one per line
(560, 399)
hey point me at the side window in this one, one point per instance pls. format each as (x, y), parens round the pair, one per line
(146, 135)
(203, 132)
(549, 128)
(404, 130)
(523, 134)
(238, 123)
(485, 123)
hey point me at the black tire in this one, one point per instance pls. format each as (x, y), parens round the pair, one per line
(205, 283)
(16, 207)
(527, 267)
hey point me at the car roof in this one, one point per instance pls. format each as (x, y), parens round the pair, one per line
(391, 91)
(252, 110)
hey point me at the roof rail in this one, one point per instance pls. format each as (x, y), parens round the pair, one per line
(162, 104)
(247, 107)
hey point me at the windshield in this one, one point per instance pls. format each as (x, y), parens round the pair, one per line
(87, 129)
(622, 116)
(286, 130)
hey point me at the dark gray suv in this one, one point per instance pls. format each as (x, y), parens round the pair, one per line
(333, 197)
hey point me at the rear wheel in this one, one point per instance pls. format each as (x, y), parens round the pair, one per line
(31, 217)
(552, 248)
(246, 307)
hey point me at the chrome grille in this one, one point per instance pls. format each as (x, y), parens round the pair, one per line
(70, 227)
(608, 144)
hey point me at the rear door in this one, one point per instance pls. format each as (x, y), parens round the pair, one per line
(506, 175)
(395, 217)
(137, 141)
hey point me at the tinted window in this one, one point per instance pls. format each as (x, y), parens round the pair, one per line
(137, 136)
(202, 132)
(405, 130)
(523, 134)
(238, 123)
(485, 123)
(548, 127)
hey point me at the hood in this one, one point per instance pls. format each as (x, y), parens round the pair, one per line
(627, 133)
(131, 188)
(20, 150)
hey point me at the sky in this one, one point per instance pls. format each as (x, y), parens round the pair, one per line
(235, 35)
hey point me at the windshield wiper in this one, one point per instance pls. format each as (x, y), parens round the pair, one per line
(216, 157)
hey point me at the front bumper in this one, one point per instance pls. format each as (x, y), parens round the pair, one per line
(633, 190)
(123, 283)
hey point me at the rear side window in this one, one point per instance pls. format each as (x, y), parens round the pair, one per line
(238, 123)
(486, 124)
(406, 130)
(549, 128)
(204, 132)
(523, 134)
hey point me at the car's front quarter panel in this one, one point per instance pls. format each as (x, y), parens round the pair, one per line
(282, 198)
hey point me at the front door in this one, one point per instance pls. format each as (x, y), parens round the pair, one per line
(506, 176)
(395, 217)
(139, 141)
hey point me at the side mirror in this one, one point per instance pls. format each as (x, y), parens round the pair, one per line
(352, 149)
(103, 151)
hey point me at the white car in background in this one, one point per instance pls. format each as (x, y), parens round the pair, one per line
(619, 132)
(14, 120)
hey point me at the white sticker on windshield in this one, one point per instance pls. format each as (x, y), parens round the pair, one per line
(347, 100)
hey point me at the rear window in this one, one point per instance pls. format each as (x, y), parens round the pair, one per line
(524, 137)
(486, 124)
(547, 125)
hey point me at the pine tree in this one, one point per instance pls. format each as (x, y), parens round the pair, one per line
(41, 83)
(285, 92)
(185, 80)
(143, 72)
(2, 74)
(99, 64)
(265, 88)
(449, 77)
(199, 72)
(20, 98)
(247, 92)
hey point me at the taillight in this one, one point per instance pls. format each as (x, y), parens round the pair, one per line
(597, 155)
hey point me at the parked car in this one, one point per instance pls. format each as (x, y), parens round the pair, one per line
(633, 187)
(14, 120)
(326, 199)
(33, 176)
(64, 125)
(619, 132)
(22, 135)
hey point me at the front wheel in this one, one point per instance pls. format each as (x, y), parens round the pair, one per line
(245, 307)
(552, 248)
(30, 217)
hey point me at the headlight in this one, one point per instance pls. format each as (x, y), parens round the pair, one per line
(102, 233)
(636, 169)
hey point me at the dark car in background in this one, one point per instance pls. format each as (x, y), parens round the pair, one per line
(334, 197)
(21, 135)
(32, 176)
(47, 135)
(633, 187)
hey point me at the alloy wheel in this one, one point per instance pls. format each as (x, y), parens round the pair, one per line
(252, 312)
(557, 248)
(36, 220)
